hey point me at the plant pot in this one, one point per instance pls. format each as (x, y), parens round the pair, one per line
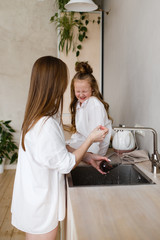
(2, 166)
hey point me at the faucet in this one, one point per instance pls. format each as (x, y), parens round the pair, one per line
(155, 157)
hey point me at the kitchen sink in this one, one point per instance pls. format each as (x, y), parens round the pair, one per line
(121, 175)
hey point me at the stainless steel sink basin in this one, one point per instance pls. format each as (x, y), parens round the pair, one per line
(121, 175)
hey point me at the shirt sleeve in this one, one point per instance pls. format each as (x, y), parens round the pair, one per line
(51, 150)
(97, 116)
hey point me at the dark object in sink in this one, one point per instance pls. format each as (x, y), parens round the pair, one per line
(121, 175)
(106, 166)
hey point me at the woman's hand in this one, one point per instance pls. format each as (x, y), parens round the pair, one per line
(98, 134)
(94, 160)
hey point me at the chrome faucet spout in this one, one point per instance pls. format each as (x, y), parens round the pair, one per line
(155, 156)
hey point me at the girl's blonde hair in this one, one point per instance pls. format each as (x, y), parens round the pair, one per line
(84, 72)
(49, 79)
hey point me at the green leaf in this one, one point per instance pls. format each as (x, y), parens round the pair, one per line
(14, 146)
(86, 22)
(6, 155)
(80, 37)
(84, 29)
(7, 122)
(79, 46)
(84, 34)
(77, 53)
(13, 158)
(11, 130)
(83, 17)
(52, 18)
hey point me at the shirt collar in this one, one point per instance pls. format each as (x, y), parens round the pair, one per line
(82, 105)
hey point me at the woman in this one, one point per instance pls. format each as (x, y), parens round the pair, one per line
(39, 192)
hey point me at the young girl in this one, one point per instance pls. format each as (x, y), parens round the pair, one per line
(39, 192)
(88, 109)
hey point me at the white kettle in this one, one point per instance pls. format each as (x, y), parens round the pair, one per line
(123, 141)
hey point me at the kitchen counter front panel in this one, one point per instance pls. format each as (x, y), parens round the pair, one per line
(116, 212)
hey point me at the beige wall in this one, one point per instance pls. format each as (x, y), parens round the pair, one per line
(91, 52)
(132, 64)
(25, 35)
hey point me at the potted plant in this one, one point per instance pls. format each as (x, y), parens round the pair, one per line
(8, 148)
(66, 23)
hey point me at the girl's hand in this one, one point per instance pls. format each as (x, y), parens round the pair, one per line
(98, 134)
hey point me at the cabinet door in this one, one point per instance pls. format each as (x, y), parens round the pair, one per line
(91, 52)
(70, 224)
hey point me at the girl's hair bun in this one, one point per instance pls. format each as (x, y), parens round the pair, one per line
(83, 67)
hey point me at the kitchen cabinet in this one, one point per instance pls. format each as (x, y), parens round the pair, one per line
(71, 229)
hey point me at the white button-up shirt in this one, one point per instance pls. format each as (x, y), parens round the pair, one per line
(39, 190)
(89, 115)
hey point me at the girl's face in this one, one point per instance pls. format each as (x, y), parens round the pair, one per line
(82, 89)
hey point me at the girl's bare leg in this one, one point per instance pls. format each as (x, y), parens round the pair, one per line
(46, 236)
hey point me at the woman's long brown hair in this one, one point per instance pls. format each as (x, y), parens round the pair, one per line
(84, 72)
(49, 79)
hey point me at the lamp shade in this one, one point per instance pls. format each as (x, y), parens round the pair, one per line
(81, 6)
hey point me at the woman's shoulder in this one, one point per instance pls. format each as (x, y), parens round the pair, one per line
(48, 123)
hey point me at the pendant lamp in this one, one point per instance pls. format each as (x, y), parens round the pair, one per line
(81, 6)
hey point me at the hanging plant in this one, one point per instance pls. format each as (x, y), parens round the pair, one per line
(66, 22)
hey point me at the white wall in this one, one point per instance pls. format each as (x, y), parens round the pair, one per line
(25, 35)
(132, 64)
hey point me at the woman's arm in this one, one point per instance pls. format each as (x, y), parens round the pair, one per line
(92, 159)
(97, 135)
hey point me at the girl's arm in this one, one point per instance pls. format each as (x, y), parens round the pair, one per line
(97, 116)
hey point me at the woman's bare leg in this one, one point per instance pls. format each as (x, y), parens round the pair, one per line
(46, 236)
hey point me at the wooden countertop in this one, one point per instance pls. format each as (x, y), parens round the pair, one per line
(116, 212)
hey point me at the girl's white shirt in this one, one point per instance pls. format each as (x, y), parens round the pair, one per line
(38, 201)
(89, 115)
